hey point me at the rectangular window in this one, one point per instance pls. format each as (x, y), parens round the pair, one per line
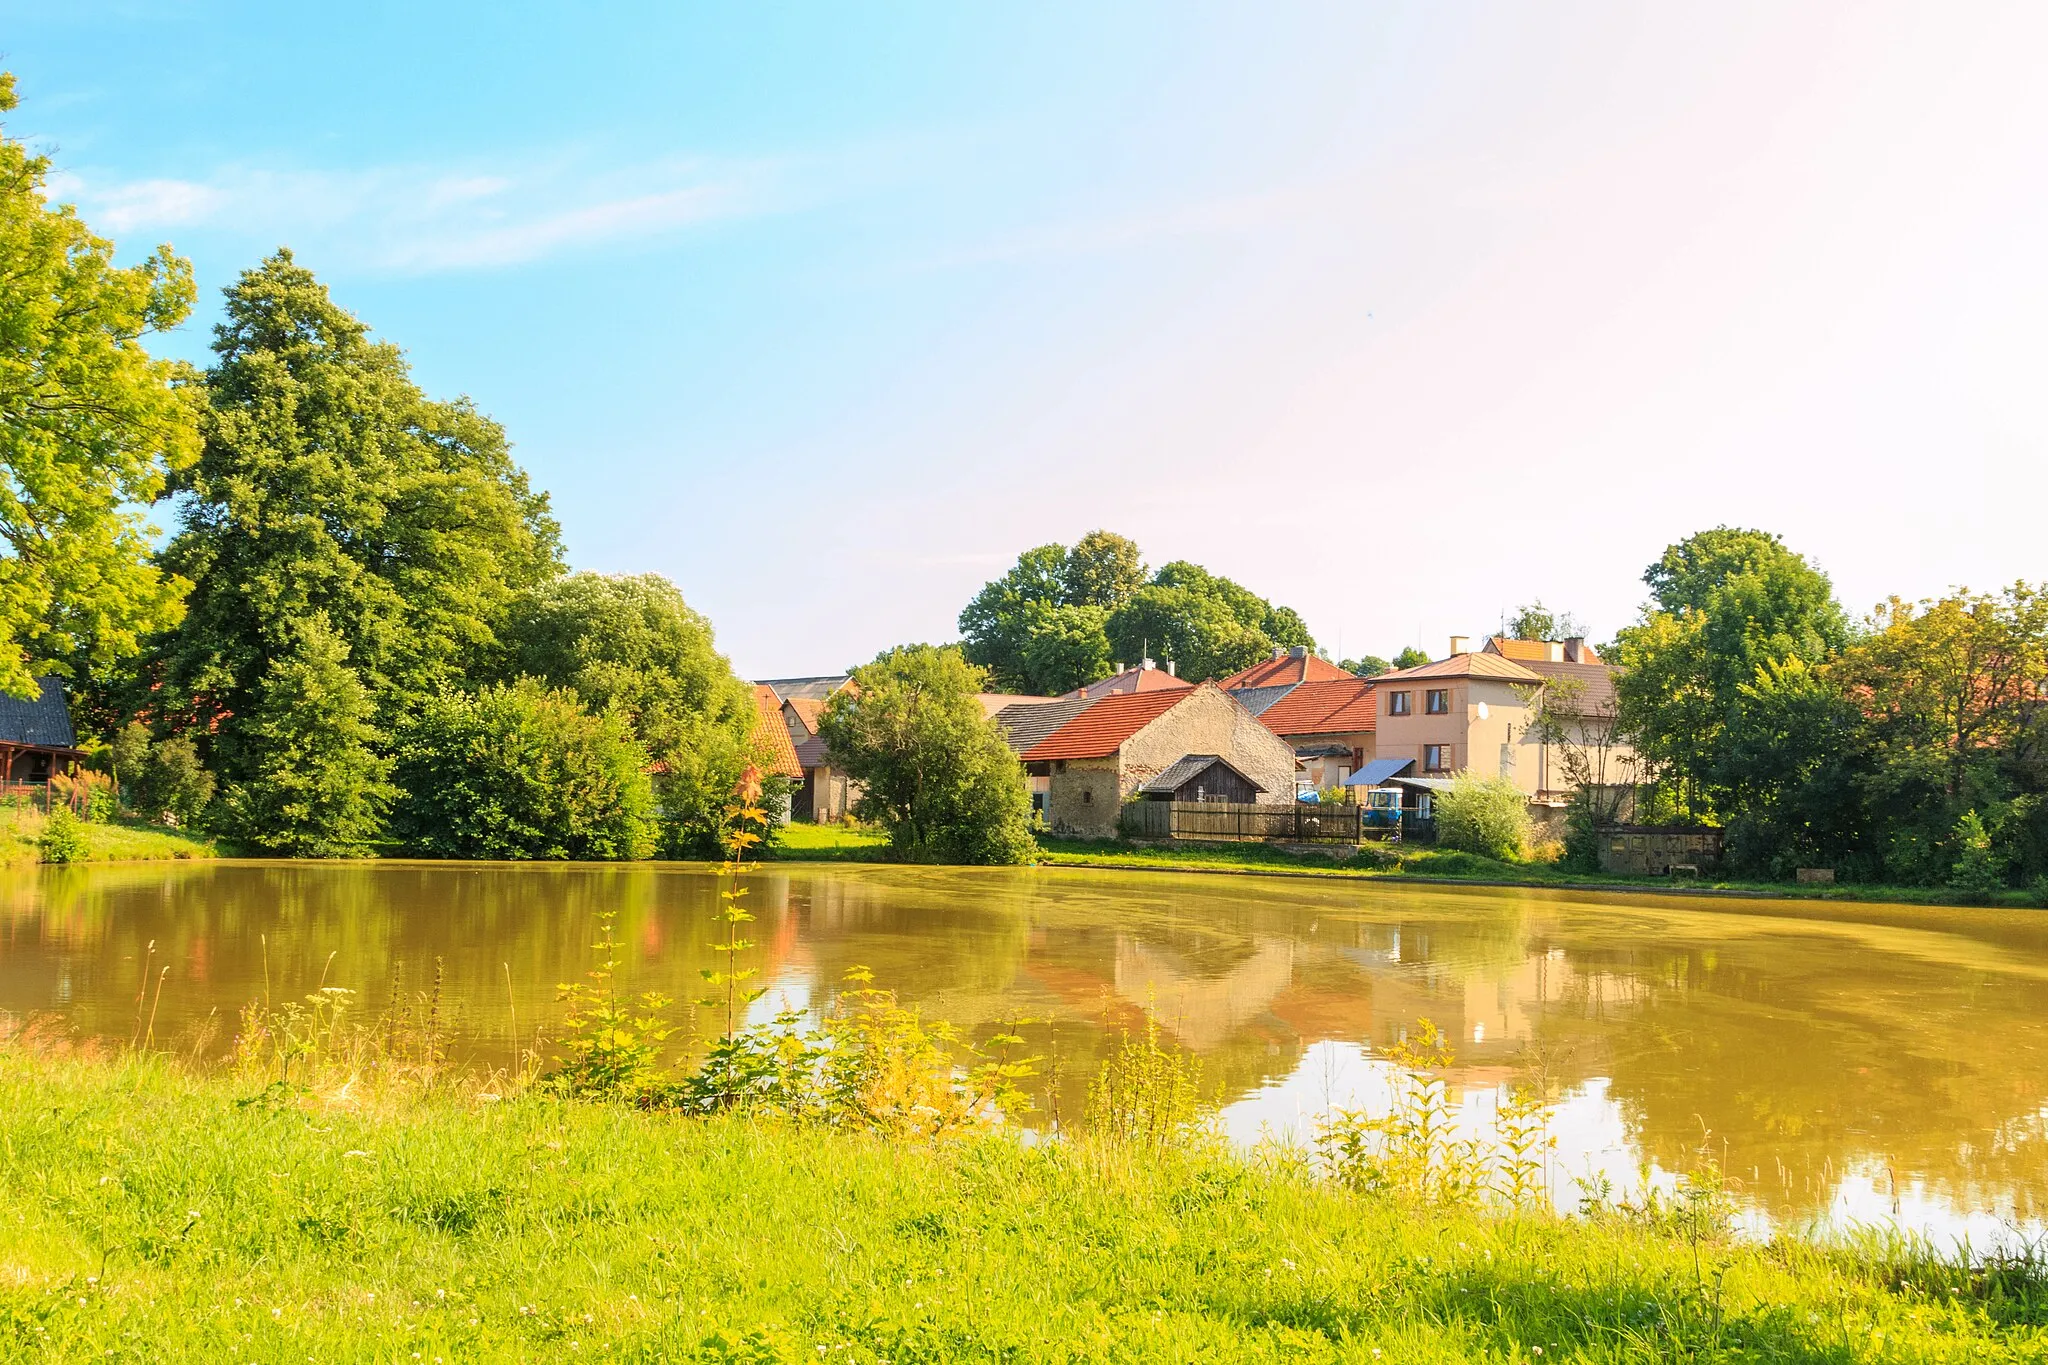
(1436, 758)
(1437, 701)
(1397, 703)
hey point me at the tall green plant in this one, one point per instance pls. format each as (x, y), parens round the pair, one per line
(741, 829)
(91, 429)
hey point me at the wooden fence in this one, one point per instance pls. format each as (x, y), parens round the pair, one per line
(1296, 822)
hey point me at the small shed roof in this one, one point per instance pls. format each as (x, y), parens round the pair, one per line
(43, 721)
(1428, 784)
(1379, 771)
(1190, 767)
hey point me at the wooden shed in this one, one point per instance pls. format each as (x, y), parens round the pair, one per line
(1201, 777)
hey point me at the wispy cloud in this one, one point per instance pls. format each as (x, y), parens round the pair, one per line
(415, 218)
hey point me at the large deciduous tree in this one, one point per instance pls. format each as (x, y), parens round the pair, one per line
(1951, 694)
(330, 487)
(1206, 624)
(1727, 608)
(1063, 616)
(935, 772)
(633, 644)
(90, 428)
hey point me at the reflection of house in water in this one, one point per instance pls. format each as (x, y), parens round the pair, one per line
(1202, 1009)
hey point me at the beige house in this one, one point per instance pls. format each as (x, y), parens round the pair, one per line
(1101, 756)
(1475, 712)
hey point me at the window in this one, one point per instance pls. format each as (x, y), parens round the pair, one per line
(1087, 797)
(1437, 701)
(1436, 758)
(1397, 703)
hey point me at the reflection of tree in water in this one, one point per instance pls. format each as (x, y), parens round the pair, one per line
(1798, 1075)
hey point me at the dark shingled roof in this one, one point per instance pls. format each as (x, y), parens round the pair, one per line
(1026, 723)
(816, 689)
(1188, 769)
(1257, 699)
(44, 722)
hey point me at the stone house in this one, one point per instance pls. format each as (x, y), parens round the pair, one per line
(1101, 757)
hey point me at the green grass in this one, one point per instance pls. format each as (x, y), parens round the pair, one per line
(120, 840)
(148, 1213)
(1383, 861)
(828, 843)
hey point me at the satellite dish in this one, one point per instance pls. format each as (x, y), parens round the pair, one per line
(1482, 710)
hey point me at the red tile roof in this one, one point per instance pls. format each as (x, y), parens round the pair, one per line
(1131, 680)
(772, 735)
(1285, 669)
(1101, 730)
(807, 709)
(1536, 651)
(1330, 707)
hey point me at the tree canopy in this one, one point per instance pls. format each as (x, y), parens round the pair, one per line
(631, 643)
(1727, 606)
(330, 486)
(91, 427)
(935, 772)
(1062, 617)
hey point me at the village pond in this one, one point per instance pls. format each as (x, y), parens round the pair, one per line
(1842, 1063)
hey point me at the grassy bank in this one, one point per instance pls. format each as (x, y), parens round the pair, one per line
(106, 841)
(837, 843)
(156, 1214)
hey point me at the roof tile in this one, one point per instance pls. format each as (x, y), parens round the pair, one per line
(1333, 706)
(1101, 730)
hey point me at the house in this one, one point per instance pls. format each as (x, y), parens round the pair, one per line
(36, 738)
(827, 793)
(1474, 712)
(1143, 678)
(771, 738)
(1024, 724)
(1103, 755)
(1331, 722)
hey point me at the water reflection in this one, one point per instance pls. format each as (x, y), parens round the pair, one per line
(1842, 1062)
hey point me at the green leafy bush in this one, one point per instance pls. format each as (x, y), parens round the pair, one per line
(522, 772)
(1488, 816)
(63, 838)
(1979, 870)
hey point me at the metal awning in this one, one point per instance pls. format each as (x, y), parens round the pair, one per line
(1379, 771)
(1426, 784)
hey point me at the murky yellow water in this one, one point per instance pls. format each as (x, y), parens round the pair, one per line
(1843, 1063)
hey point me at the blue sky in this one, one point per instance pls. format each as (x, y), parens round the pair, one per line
(1401, 315)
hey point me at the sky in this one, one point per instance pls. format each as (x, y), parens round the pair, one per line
(1401, 315)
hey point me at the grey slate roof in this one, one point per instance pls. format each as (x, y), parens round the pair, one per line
(44, 722)
(817, 689)
(1025, 723)
(1257, 699)
(1188, 769)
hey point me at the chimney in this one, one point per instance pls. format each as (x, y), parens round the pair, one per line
(1298, 652)
(1278, 652)
(1461, 644)
(1553, 652)
(1575, 649)
(1172, 669)
(1146, 663)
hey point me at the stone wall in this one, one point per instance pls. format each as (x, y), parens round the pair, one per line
(1083, 798)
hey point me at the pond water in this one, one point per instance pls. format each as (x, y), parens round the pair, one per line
(1844, 1064)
